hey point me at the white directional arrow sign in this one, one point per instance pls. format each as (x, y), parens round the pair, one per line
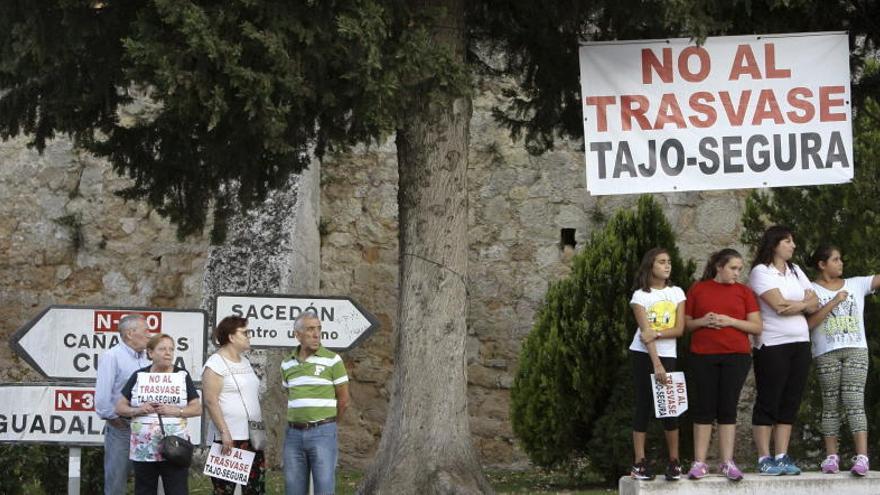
(344, 324)
(65, 342)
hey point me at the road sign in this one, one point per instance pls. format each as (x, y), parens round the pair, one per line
(65, 342)
(344, 324)
(57, 413)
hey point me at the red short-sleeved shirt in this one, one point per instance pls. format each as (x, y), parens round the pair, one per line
(735, 300)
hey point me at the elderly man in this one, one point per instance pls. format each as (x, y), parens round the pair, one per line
(115, 367)
(317, 395)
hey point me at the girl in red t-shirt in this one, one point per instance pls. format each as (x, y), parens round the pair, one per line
(721, 313)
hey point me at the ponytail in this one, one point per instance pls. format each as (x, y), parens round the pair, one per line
(719, 258)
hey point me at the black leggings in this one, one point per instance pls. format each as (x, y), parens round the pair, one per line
(717, 380)
(644, 410)
(780, 377)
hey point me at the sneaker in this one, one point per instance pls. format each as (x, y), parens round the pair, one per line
(642, 471)
(673, 470)
(767, 466)
(788, 466)
(698, 470)
(729, 469)
(831, 464)
(860, 468)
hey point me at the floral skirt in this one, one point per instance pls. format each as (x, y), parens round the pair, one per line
(146, 435)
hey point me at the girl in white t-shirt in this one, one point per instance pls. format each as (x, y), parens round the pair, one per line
(841, 353)
(659, 312)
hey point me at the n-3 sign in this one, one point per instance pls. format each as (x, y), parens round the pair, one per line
(65, 342)
(57, 413)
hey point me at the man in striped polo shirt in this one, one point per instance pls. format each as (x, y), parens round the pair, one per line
(317, 395)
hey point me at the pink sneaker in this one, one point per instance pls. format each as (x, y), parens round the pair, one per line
(860, 466)
(698, 470)
(831, 464)
(729, 469)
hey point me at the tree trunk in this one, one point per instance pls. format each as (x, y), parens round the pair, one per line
(426, 444)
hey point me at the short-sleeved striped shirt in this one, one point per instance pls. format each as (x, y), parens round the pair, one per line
(311, 385)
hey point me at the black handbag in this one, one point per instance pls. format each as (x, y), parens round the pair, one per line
(174, 449)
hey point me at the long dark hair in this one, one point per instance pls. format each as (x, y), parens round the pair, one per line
(646, 268)
(769, 240)
(822, 253)
(719, 258)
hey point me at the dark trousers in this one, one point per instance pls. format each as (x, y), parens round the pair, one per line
(644, 410)
(780, 377)
(716, 381)
(146, 478)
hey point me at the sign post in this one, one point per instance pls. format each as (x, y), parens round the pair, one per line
(73, 470)
(344, 324)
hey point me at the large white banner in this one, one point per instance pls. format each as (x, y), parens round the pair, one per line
(736, 112)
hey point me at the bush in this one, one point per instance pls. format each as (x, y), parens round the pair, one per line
(573, 365)
(31, 467)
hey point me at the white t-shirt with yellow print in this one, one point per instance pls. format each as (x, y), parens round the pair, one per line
(660, 306)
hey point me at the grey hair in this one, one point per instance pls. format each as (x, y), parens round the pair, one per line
(305, 315)
(127, 323)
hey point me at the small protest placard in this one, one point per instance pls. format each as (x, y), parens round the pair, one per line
(670, 398)
(235, 467)
(160, 388)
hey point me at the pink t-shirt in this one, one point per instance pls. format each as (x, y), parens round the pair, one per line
(780, 329)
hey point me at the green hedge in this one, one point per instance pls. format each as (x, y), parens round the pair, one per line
(43, 468)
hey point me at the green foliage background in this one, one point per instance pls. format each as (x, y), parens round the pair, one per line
(572, 395)
(247, 91)
(43, 468)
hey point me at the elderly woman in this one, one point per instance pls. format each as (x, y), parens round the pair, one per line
(159, 389)
(231, 395)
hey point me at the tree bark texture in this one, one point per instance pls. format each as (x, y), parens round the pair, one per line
(426, 445)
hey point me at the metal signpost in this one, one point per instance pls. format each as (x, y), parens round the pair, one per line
(344, 324)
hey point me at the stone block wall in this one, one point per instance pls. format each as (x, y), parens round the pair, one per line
(65, 238)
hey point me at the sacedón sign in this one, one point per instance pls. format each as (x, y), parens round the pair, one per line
(344, 324)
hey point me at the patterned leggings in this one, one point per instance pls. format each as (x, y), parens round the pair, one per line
(842, 375)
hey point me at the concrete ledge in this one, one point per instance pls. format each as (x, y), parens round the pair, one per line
(805, 484)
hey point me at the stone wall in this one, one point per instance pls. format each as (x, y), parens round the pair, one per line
(65, 238)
